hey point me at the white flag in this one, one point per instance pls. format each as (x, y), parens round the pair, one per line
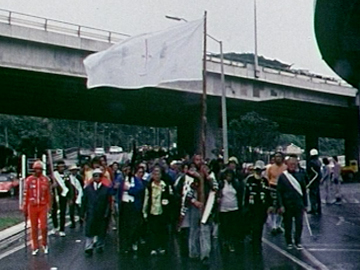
(150, 59)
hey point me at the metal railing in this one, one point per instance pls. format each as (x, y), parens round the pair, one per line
(291, 72)
(50, 25)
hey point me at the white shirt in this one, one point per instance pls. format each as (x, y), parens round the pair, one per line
(60, 181)
(126, 197)
(76, 183)
(228, 200)
(97, 185)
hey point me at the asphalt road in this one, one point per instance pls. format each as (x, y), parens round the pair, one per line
(335, 245)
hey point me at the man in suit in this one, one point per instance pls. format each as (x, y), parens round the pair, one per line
(97, 199)
(291, 190)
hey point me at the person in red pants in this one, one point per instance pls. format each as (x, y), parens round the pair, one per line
(36, 206)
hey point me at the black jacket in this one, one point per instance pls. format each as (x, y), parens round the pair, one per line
(96, 209)
(314, 172)
(257, 195)
(166, 199)
(288, 197)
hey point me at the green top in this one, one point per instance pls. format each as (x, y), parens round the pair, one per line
(156, 205)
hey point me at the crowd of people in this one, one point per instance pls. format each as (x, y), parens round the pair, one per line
(195, 200)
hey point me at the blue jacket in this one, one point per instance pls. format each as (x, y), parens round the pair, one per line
(136, 191)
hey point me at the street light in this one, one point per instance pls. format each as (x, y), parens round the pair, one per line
(223, 93)
(175, 18)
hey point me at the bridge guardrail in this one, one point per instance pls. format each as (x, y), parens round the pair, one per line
(31, 21)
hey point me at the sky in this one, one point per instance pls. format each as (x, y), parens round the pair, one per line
(285, 27)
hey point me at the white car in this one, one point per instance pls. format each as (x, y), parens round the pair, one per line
(116, 150)
(99, 151)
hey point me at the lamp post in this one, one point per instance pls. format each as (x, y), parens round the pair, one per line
(256, 59)
(223, 94)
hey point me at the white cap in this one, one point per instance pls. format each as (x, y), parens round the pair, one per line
(174, 162)
(233, 159)
(259, 165)
(314, 152)
(97, 171)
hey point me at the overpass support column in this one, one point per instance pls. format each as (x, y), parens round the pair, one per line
(186, 139)
(352, 131)
(212, 130)
(311, 141)
(189, 134)
(351, 149)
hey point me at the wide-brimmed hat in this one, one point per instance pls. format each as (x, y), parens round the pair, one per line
(74, 167)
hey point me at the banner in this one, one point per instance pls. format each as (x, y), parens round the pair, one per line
(149, 59)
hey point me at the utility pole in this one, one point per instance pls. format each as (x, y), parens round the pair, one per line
(224, 107)
(256, 59)
(95, 134)
(6, 136)
(78, 134)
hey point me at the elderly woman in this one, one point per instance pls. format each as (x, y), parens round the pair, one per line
(158, 197)
(230, 199)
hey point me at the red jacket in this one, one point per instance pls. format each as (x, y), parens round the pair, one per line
(37, 191)
(105, 181)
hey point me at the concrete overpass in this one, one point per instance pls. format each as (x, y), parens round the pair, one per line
(42, 74)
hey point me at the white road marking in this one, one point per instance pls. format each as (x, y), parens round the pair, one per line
(289, 256)
(9, 252)
(19, 247)
(316, 262)
(341, 220)
(334, 249)
(356, 201)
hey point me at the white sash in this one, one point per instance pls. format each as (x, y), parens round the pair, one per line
(209, 203)
(293, 182)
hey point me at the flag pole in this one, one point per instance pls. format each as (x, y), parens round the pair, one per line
(204, 96)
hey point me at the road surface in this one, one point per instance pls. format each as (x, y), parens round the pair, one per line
(335, 245)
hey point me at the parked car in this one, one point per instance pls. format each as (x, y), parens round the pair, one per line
(9, 183)
(116, 150)
(99, 151)
(350, 173)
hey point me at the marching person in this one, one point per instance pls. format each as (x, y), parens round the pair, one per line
(292, 201)
(97, 198)
(77, 195)
(314, 175)
(158, 199)
(257, 202)
(107, 171)
(336, 178)
(62, 183)
(326, 179)
(197, 188)
(86, 173)
(130, 206)
(230, 198)
(273, 172)
(36, 206)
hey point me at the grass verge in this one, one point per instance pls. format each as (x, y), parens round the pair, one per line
(6, 222)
